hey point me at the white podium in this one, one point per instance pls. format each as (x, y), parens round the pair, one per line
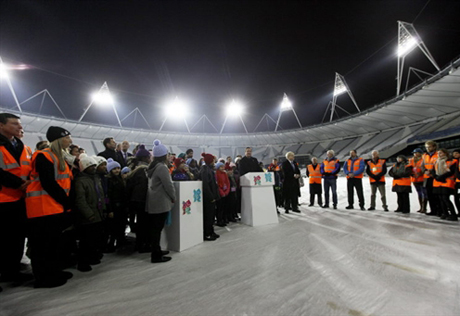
(186, 229)
(258, 205)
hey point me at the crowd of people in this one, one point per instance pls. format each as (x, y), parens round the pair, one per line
(435, 175)
(73, 207)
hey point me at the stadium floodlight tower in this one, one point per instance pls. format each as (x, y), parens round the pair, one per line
(408, 40)
(234, 109)
(176, 109)
(286, 105)
(102, 97)
(5, 76)
(340, 87)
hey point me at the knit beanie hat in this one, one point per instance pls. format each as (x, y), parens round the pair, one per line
(159, 150)
(237, 159)
(181, 155)
(56, 132)
(178, 162)
(99, 160)
(218, 165)
(417, 150)
(221, 160)
(86, 161)
(125, 170)
(142, 152)
(232, 165)
(208, 158)
(112, 164)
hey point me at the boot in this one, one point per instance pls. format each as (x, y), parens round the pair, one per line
(424, 204)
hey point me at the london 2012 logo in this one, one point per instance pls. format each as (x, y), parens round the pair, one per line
(197, 195)
(186, 209)
(257, 180)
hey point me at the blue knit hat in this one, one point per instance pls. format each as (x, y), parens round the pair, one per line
(142, 152)
(112, 164)
(125, 170)
(159, 150)
(218, 165)
(417, 150)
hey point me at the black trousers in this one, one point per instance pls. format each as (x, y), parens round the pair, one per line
(156, 223)
(433, 199)
(403, 202)
(446, 205)
(44, 238)
(230, 205)
(221, 210)
(92, 241)
(291, 200)
(141, 228)
(457, 197)
(358, 185)
(13, 227)
(209, 212)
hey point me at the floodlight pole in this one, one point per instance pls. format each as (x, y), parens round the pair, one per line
(340, 86)
(286, 109)
(10, 86)
(45, 93)
(405, 32)
(103, 87)
(223, 125)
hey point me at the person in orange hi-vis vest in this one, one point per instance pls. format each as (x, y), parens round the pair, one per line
(417, 178)
(314, 173)
(456, 156)
(48, 201)
(401, 172)
(330, 167)
(354, 170)
(429, 159)
(376, 169)
(15, 160)
(444, 183)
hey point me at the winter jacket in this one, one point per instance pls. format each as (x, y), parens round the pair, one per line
(180, 175)
(116, 193)
(222, 183)
(161, 193)
(137, 183)
(398, 171)
(89, 200)
(210, 189)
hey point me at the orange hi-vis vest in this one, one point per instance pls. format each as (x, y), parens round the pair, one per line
(416, 168)
(352, 169)
(376, 168)
(402, 181)
(330, 165)
(458, 164)
(38, 202)
(22, 170)
(429, 163)
(315, 174)
(450, 181)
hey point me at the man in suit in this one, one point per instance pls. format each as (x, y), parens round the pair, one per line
(109, 152)
(248, 163)
(291, 187)
(124, 151)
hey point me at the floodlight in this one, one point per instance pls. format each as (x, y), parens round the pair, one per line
(286, 104)
(3, 71)
(340, 90)
(234, 109)
(176, 108)
(406, 46)
(102, 97)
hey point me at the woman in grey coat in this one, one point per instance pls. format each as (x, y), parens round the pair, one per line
(160, 199)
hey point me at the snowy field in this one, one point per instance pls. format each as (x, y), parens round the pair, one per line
(319, 262)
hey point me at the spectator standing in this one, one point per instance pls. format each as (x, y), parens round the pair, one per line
(354, 169)
(330, 167)
(444, 183)
(314, 173)
(428, 162)
(417, 178)
(223, 184)
(401, 172)
(376, 169)
(248, 163)
(210, 196)
(109, 152)
(291, 186)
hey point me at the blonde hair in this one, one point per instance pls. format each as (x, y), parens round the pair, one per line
(57, 149)
(432, 143)
(289, 153)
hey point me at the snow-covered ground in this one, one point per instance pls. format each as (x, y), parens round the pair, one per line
(319, 262)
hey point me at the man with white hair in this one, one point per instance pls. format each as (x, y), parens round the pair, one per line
(291, 186)
(376, 170)
(330, 167)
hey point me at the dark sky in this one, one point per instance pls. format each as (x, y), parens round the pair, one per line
(208, 52)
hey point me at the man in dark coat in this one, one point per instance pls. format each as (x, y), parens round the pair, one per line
(248, 163)
(291, 187)
(109, 152)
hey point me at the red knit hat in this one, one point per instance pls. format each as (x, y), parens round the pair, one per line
(178, 162)
(208, 158)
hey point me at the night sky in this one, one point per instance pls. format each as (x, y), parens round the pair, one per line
(210, 52)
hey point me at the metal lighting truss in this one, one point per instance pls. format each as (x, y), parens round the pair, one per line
(408, 40)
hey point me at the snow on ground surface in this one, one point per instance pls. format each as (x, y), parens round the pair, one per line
(319, 262)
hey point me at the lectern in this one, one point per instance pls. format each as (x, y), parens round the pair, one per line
(258, 205)
(186, 229)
